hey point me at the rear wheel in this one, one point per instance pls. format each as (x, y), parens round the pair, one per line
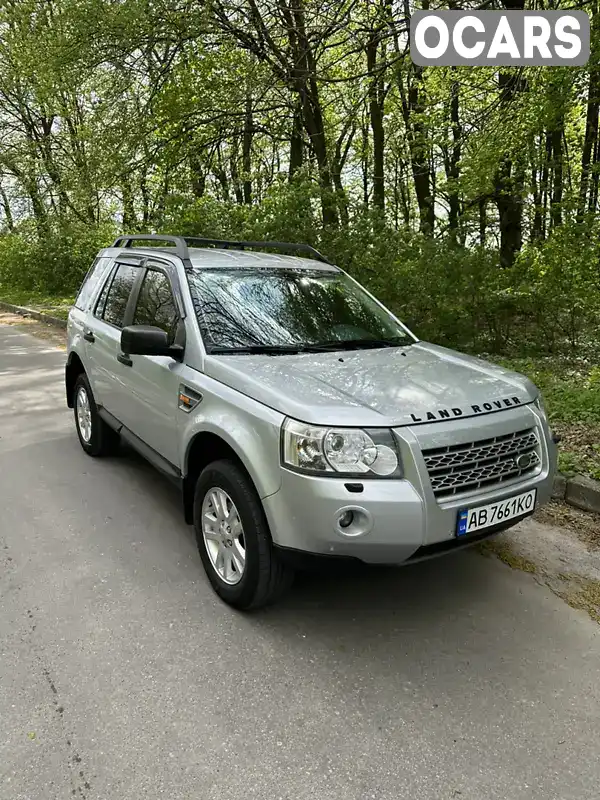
(95, 436)
(234, 540)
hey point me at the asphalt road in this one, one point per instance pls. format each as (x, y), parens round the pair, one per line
(122, 676)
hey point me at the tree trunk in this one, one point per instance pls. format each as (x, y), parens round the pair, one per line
(7, 210)
(44, 146)
(536, 228)
(376, 96)
(160, 208)
(296, 143)
(405, 198)
(591, 131)
(482, 220)
(594, 181)
(540, 192)
(413, 112)
(30, 184)
(418, 146)
(221, 175)
(198, 176)
(364, 161)
(247, 150)
(508, 183)
(454, 167)
(557, 173)
(129, 217)
(509, 178)
(233, 165)
(304, 76)
(396, 194)
(145, 198)
(507, 192)
(342, 148)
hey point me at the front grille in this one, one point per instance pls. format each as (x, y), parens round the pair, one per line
(468, 467)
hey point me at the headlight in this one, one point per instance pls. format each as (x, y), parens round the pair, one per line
(351, 452)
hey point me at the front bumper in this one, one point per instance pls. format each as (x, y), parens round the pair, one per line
(399, 519)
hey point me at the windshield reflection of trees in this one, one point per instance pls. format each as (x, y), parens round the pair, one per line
(239, 310)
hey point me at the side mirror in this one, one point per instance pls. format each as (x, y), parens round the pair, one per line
(147, 340)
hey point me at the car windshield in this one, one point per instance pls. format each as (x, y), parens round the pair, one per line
(288, 310)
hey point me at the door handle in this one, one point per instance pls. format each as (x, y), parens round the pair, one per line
(125, 360)
(89, 337)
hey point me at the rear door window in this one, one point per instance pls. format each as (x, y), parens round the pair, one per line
(113, 309)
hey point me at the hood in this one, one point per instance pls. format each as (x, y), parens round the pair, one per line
(393, 387)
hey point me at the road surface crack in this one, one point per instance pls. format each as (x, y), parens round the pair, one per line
(80, 784)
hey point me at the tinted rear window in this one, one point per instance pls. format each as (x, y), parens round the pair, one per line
(90, 282)
(118, 295)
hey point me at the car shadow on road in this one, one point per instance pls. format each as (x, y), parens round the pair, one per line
(380, 595)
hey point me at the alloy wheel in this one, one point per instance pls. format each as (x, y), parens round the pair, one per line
(84, 415)
(223, 535)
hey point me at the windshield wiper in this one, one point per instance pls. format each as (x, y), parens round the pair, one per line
(355, 344)
(256, 349)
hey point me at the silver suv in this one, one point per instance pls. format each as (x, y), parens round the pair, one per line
(298, 415)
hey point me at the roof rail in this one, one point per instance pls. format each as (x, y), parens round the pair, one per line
(297, 247)
(181, 245)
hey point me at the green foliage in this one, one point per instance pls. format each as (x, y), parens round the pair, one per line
(55, 265)
(289, 212)
(560, 286)
(548, 302)
(571, 391)
(570, 387)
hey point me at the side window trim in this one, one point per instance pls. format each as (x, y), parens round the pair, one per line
(134, 295)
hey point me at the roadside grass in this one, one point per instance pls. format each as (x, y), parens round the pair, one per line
(571, 391)
(52, 305)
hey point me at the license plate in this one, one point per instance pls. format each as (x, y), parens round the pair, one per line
(473, 520)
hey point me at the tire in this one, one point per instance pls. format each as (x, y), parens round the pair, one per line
(99, 439)
(263, 578)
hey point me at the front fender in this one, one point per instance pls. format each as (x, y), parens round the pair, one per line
(251, 430)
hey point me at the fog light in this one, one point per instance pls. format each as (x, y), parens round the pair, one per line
(352, 521)
(346, 519)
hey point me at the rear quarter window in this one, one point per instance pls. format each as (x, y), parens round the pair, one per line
(90, 282)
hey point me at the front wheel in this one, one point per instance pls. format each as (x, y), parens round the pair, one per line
(234, 540)
(95, 436)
